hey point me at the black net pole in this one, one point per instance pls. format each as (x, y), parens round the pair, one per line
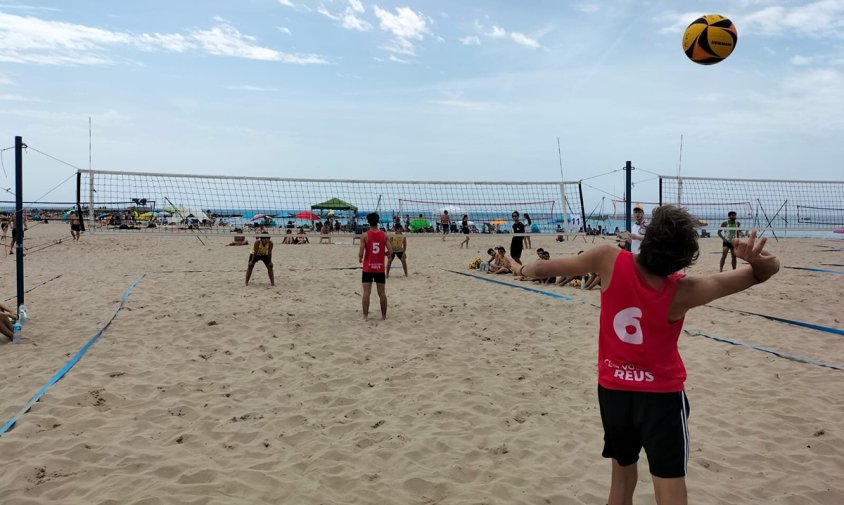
(79, 201)
(18, 231)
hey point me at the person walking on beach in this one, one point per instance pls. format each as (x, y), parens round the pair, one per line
(75, 225)
(445, 224)
(262, 250)
(13, 226)
(528, 227)
(644, 300)
(464, 229)
(374, 246)
(398, 242)
(727, 237)
(517, 243)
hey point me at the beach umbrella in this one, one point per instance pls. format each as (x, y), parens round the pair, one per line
(305, 214)
(498, 221)
(258, 217)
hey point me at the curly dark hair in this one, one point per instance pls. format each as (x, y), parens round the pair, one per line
(670, 242)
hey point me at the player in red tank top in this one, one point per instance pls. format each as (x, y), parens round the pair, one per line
(374, 247)
(640, 373)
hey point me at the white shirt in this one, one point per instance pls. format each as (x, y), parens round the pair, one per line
(638, 229)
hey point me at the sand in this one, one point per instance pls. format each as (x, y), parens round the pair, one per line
(206, 391)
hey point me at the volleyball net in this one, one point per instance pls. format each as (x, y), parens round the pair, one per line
(775, 205)
(134, 202)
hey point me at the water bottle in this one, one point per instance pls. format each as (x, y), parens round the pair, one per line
(22, 317)
(16, 330)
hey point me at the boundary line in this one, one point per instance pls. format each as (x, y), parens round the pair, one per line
(61, 373)
(532, 290)
(818, 270)
(781, 354)
(792, 357)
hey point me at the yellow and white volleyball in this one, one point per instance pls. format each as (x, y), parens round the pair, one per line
(709, 39)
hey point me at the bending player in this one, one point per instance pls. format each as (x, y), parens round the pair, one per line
(640, 373)
(262, 250)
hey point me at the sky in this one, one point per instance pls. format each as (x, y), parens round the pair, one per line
(419, 90)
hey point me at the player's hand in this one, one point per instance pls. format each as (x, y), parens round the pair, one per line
(751, 250)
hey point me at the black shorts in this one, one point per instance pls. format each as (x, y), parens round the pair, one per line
(255, 258)
(377, 277)
(656, 421)
(398, 255)
(75, 227)
(729, 246)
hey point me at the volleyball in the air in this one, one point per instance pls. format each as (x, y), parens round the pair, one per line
(709, 39)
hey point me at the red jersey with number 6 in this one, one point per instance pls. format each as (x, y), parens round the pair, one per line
(376, 249)
(637, 345)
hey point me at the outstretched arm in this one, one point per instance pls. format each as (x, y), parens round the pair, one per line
(700, 290)
(598, 259)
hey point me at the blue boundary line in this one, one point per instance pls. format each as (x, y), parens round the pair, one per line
(532, 290)
(824, 270)
(792, 357)
(833, 264)
(61, 373)
(775, 352)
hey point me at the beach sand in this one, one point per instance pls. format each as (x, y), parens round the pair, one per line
(206, 391)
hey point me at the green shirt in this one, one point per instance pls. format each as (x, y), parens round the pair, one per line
(729, 235)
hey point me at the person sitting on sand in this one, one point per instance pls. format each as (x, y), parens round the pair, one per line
(7, 319)
(301, 237)
(262, 250)
(641, 375)
(502, 262)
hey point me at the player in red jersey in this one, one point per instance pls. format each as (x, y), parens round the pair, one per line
(374, 247)
(640, 373)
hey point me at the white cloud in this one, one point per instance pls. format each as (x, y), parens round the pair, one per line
(248, 87)
(284, 29)
(287, 3)
(801, 60)
(352, 22)
(462, 104)
(470, 40)
(349, 18)
(322, 10)
(5, 81)
(820, 18)
(588, 8)
(396, 59)
(404, 25)
(524, 40)
(34, 40)
(7, 97)
(496, 32)
(400, 46)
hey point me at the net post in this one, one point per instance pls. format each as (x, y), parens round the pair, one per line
(660, 191)
(19, 145)
(79, 201)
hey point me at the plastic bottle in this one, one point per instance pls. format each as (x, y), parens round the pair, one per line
(17, 330)
(22, 317)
